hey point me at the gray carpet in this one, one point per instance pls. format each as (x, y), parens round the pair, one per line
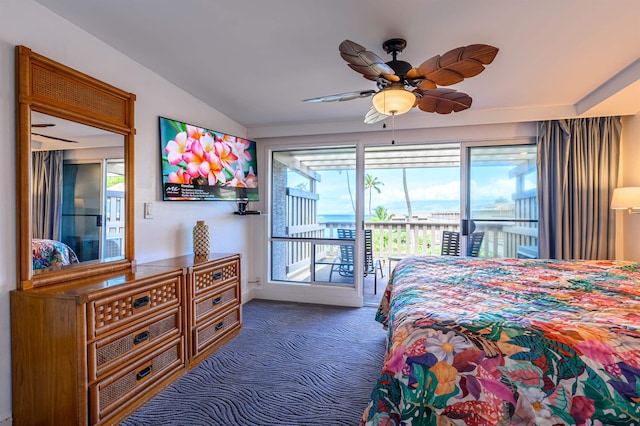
(292, 364)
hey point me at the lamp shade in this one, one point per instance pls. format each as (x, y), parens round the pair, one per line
(394, 100)
(626, 198)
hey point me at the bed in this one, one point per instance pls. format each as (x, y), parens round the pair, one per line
(476, 341)
(48, 253)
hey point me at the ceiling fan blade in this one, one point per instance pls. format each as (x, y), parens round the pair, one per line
(43, 125)
(363, 61)
(427, 65)
(368, 60)
(455, 65)
(391, 78)
(366, 72)
(53, 137)
(482, 53)
(443, 101)
(427, 85)
(342, 96)
(373, 116)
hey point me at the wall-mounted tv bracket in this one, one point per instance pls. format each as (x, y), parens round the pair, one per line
(242, 209)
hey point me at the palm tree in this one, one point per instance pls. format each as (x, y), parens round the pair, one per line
(381, 215)
(303, 186)
(406, 193)
(353, 204)
(371, 183)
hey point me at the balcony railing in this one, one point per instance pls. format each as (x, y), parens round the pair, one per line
(393, 239)
(396, 239)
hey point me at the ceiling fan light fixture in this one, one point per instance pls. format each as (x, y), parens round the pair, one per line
(394, 101)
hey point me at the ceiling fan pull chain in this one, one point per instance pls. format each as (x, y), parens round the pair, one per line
(393, 128)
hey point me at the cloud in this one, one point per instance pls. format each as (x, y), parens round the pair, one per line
(493, 190)
(439, 185)
(446, 191)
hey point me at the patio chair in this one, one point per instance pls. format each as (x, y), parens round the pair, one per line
(474, 243)
(371, 264)
(451, 243)
(344, 263)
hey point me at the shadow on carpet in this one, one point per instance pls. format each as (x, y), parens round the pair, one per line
(292, 364)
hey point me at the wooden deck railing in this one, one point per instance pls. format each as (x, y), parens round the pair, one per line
(391, 239)
(395, 238)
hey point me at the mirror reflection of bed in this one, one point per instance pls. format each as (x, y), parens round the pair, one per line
(51, 253)
(78, 193)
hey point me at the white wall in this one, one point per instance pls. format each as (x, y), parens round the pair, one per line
(630, 176)
(169, 233)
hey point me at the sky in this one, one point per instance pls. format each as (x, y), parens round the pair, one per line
(430, 188)
(428, 184)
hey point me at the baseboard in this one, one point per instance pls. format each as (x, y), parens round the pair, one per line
(5, 419)
(246, 296)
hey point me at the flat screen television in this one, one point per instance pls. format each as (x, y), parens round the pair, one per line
(199, 164)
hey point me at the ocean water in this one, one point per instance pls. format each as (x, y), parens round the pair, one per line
(345, 218)
(399, 209)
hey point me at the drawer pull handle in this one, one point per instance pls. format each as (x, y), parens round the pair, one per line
(140, 302)
(217, 275)
(139, 338)
(219, 325)
(144, 372)
(217, 300)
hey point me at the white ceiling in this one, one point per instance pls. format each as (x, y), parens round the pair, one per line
(60, 134)
(255, 61)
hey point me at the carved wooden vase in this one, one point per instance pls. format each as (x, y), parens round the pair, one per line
(201, 242)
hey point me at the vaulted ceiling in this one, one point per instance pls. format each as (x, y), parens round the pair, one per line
(255, 61)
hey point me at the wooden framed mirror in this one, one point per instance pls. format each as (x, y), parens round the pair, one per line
(50, 94)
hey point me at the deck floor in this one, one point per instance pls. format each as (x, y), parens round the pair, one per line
(370, 297)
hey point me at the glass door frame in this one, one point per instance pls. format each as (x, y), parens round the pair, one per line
(465, 169)
(358, 267)
(291, 290)
(99, 217)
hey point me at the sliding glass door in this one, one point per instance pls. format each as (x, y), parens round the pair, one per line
(341, 217)
(499, 194)
(412, 194)
(93, 208)
(81, 227)
(313, 211)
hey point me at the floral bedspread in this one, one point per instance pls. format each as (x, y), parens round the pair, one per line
(509, 342)
(47, 253)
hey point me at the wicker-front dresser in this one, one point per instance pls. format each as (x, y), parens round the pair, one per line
(213, 301)
(93, 350)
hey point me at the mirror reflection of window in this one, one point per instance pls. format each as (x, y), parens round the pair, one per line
(84, 213)
(81, 209)
(114, 226)
(118, 207)
(108, 209)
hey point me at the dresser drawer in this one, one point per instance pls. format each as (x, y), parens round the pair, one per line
(217, 301)
(111, 312)
(117, 390)
(210, 276)
(207, 333)
(112, 351)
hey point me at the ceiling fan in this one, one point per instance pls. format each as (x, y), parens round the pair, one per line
(402, 87)
(45, 125)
